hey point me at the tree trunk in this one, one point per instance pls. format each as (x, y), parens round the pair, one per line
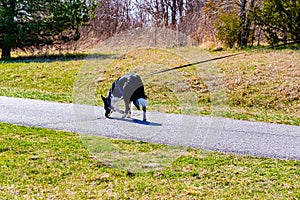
(246, 22)
(174, 13)
(242, 39)
(165, 11)
(180, 9)
(6, 53)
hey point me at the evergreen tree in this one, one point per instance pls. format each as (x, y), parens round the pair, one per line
(41, 22)
(280, 20)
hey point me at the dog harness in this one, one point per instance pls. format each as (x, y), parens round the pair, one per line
(119, 90)
(115, 85)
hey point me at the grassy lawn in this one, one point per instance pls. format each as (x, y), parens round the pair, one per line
(46, 164)
(39, 80)
(260, 86)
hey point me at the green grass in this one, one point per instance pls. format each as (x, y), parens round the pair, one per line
(39, 80)
(260, 86)
(45, 164)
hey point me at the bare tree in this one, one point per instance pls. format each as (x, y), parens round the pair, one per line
(196, 18)
(246, 7)
(112, 16)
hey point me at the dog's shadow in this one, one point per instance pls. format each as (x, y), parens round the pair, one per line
(137, 121)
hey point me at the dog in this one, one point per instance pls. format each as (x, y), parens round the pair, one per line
(129, 88)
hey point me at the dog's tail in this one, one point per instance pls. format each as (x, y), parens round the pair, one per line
(141, 102)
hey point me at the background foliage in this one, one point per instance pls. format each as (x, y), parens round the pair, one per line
(280, 20)
(39, 23)
(43, 25)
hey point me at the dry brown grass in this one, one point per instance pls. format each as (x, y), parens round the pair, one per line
(266, 81)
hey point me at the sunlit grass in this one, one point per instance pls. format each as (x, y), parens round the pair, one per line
(41, 164)
(260, 86)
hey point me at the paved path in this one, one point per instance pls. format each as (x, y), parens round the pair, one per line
(227, 135)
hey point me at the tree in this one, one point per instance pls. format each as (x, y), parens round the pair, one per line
(115, 16)
(246, 9)
(234, 22)
(280, 20)
(41, 22)
(111, 17)
(229, 29)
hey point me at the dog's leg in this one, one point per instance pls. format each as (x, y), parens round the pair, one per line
(143, 103)
(117, 108)
(144, 114)
(127, 109)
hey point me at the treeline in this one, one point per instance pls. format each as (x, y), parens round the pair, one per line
(233, 22)
(73, 24)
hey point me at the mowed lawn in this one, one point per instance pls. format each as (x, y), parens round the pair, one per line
(45, 164)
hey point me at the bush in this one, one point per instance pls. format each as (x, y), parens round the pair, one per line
(228, 27)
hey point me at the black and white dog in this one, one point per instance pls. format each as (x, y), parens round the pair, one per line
(129, 88)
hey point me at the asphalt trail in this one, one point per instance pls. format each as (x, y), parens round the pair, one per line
(226, 135)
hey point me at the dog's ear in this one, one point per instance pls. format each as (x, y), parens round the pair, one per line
(103, 98)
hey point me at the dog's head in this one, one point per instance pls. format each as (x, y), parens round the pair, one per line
(107, 106)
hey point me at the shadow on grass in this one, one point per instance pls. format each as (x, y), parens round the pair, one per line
(59, 57)
(280, 46)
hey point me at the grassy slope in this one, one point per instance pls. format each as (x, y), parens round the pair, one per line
(262, 86)
(47, 80)
(46, 164)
